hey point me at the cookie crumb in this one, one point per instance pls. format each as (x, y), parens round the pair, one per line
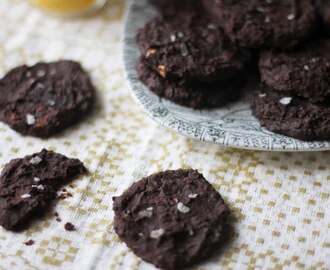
(69, 226)
(29, 243)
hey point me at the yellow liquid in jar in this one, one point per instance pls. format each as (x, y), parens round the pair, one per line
(64, 5)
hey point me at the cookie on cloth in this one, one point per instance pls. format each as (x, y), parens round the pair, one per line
(280, 24)
(171, 219)
(28, 185)
(304, 72)
(192, 94)
(46, 98)
(284, 113)
(190, 47)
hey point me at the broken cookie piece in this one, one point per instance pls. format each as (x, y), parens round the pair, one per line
(29, 184)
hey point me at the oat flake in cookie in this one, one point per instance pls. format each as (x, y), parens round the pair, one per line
(304, 72)
(171, 219)
(190, 47)
(283, 113)
(28, 185)
(46, 98)
(280, 24)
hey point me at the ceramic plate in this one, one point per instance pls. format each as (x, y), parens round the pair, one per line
(232, 126)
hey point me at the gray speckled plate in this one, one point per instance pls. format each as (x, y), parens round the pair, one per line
(232, 126)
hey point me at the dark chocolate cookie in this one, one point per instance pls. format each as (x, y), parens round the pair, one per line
(28, 185)
(278, 24)
(176, 7)
(171, 219)
(304, 72)
(45, 99)
(323, 7)
(191, 94)
(190, 47)
(289, 115)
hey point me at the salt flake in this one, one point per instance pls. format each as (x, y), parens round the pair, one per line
(285, 100)
(40, 187)
(182, 208)
(291, 17)
(146, 213)
(35, 160)
(30, 119)
(25, 196)
(156, 233)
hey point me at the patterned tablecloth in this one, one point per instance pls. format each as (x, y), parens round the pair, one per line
(279, 201)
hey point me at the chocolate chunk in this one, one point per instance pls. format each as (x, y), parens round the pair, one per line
(46, 98)
(190, 93)
(28, 185)
(283, 113)
(280, 24)
(171, 219)
(304, 72)
(190, 47)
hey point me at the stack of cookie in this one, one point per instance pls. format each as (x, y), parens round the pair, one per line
(188, 59)
(194, 49)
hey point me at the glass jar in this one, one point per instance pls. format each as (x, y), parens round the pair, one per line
(69, 7)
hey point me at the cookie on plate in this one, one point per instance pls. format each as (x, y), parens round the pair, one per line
(46, 98)
(171, 219)
(192, 94)
(280, 24)
(283, 113)
(28, 185)
(304, 72)
(323, 7)
(176, 7)
(190, 47)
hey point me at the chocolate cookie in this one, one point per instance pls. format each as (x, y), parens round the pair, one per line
(28, 185)
(191, 94)
(171, 219)
(175, 7)
(304, 72)
(278, 24)
(289, 115)
(190, 47)
(323, 7)
(46, 98)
